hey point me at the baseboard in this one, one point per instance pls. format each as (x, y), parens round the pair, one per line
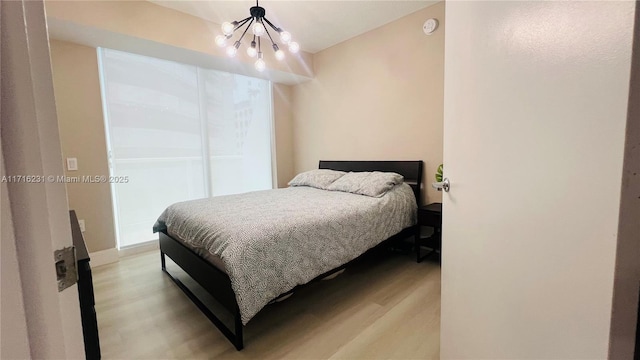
(139, 248)
(104, 257)
(110, 256)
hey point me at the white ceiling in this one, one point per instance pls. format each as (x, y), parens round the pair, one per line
(314, 24)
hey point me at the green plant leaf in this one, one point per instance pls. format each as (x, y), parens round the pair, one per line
(439, 173)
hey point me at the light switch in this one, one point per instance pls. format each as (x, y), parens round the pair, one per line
(72, 164)
(81, 223)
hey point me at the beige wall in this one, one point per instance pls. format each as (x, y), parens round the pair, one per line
(283, 118)
(149, 29)
(82, 134)
(178, 36)
(378, 96)
(369, 101)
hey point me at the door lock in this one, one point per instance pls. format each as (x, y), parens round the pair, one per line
(66, 269)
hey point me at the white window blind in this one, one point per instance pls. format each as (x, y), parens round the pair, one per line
(179, 132)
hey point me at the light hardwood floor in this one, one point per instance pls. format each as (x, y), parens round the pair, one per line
(384, 306)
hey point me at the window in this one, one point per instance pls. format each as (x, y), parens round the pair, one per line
(178, 132)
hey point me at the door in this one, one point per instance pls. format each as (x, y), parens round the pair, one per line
(43, 323)
(535, 111)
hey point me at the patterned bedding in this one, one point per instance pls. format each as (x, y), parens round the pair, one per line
(271, 241)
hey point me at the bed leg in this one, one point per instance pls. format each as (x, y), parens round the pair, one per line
(162, 261)
(238, 341)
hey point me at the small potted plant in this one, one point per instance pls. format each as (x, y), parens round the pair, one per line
(440, 184)
(439, 174)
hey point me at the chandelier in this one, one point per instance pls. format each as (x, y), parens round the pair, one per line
(258, 24)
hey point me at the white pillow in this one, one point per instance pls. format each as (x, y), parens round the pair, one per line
(374, 184)
(318, 178)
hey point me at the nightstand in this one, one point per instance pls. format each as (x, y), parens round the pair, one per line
(431, 216)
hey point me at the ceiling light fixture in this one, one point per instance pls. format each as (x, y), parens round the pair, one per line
(258, 24)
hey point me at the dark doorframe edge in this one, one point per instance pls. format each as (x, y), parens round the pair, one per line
(637, 350)
(625, 312)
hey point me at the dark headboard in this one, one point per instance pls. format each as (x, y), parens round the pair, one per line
(411, 170)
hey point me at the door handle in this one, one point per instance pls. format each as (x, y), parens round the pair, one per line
(442, 185)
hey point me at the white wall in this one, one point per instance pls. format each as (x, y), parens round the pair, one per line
(535, 112)
(39, 211)
(14, 341)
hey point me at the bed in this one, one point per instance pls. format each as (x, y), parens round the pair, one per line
(266, 252)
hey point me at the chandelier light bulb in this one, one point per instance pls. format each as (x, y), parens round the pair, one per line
(258, 29)
(227, 28)
(260, 65)
(221, 40)
(252, 52)
(294, 47)
(233, 49)
(279, 53)
(285, 37)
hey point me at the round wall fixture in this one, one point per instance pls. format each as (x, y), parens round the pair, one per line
(430, 26)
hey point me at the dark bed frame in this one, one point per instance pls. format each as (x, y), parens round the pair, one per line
(218, 284)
